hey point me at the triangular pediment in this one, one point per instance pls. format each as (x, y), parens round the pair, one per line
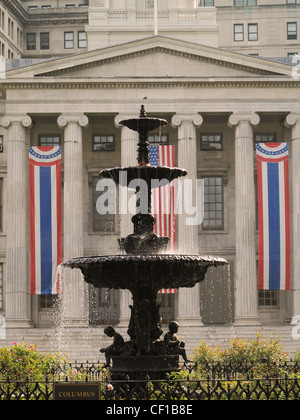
(154, 57)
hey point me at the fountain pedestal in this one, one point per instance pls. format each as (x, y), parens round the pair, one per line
(145, 366)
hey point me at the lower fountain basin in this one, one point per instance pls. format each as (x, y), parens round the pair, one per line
(153, 272)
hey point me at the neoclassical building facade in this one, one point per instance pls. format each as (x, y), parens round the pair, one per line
(218, 104)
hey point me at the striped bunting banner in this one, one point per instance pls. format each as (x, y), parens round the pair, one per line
(273, 216)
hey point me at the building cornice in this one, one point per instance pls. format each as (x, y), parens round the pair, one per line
(44, 16)
(16, 8)
(150, 83)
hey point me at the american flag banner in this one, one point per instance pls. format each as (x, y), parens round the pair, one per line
(45, 219)
(163, 199)
(274, 271)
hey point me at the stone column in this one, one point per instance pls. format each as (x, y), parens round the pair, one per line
(129, 141)
(17, 291)
(75, 311)
(293, 121)
(246, 285)
(187, 243)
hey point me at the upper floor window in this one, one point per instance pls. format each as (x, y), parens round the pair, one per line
(292, 30)
(49, 140)
(103, 143)
(238, 30)
(211, 142)
(213, 204)
(245, 2)
(159, 139)
(69, 40)
(82, 43)
(265, 138)
(45, 40)
(31, 41)
(206, 3)
(252, 32)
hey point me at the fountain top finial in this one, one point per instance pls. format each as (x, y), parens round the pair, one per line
(143, 112)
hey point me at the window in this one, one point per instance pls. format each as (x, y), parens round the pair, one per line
(45, 40)
(69, 40)
(206, 3)
(238, 32)
(252, 32)
(265, 138)
(213, 204)
(101, 222)
(211, 142)
(158, 139)
(48, 301)
(82, 39)
(31, 42)
(245, 2)
(45, 140)
(1, 144)
(292, 30)
(268, 298)
(104, 143)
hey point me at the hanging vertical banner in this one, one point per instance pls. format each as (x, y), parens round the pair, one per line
(45, 219)
(163, 199)
(273, 216)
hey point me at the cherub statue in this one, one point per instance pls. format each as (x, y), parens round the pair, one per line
(172, 344)
(117, 346)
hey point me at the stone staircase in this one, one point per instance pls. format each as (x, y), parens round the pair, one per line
(83, 344)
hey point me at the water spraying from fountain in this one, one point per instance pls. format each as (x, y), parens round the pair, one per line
(144, 268)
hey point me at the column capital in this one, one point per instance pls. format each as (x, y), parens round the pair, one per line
(179, 119)
(237, 118)
(24, 120)
(65, 119)
(292, 119)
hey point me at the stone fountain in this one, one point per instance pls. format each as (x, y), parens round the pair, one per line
(144, 269)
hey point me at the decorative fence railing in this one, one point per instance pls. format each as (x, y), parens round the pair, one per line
(231, 382)
(188, 390)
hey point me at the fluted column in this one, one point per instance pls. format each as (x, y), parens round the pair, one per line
(129, 141)
(74, 289)
(293, 121)
(187, 243)
(17, 291)
(246, 286)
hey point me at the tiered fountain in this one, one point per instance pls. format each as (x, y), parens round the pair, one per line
(144, 269)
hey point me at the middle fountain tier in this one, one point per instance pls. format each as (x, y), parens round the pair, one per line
(144, 268)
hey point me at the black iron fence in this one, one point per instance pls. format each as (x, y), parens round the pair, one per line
(230, 382)
(183, 390)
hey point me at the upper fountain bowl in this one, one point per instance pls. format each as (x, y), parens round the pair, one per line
(124, 175)
(143, 123)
